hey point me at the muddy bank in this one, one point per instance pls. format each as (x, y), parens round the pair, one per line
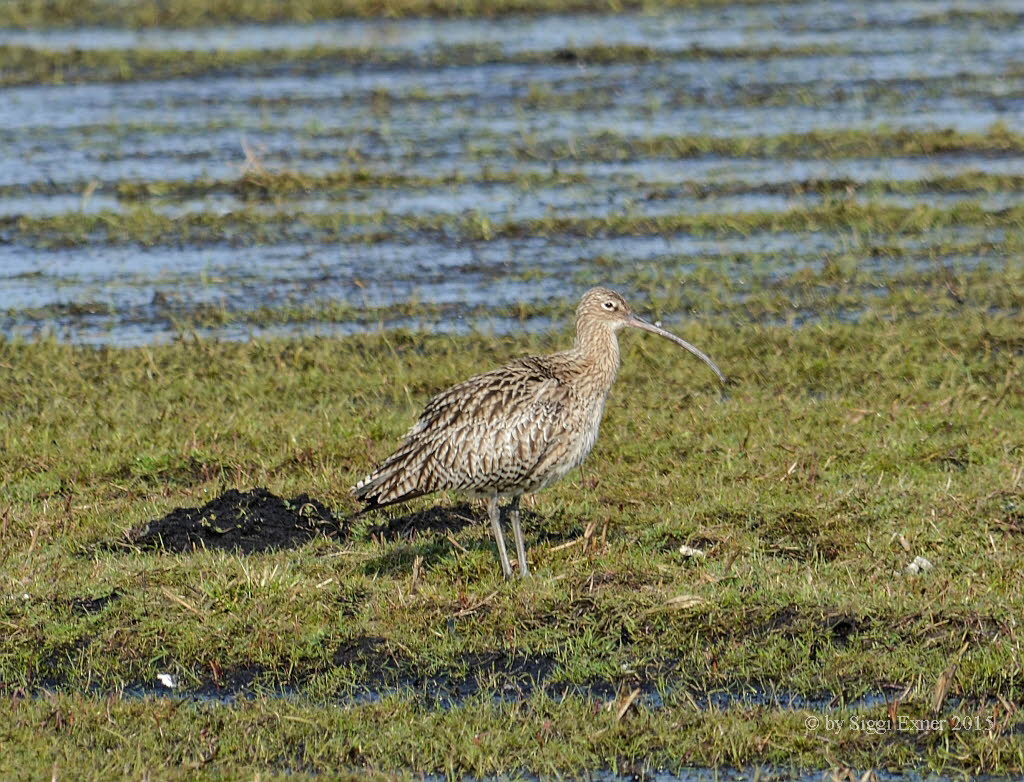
(243, 522)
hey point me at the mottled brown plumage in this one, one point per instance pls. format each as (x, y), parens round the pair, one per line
(516, 429)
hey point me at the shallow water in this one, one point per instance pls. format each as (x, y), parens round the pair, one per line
(896, 65)
(441, 694)
(447, 691)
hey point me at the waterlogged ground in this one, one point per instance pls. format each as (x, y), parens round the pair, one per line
(812, 573)
(467, 173)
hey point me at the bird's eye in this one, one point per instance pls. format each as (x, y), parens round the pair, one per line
(609, 305)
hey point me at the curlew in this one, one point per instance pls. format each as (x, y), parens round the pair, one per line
(517, 429)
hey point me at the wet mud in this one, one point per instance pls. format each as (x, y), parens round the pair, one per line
(243, 522)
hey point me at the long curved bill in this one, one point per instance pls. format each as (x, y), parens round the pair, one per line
(640, 323)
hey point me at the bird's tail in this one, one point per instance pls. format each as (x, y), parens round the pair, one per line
(382, 488)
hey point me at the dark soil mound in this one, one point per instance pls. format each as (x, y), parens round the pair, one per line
(247, 522)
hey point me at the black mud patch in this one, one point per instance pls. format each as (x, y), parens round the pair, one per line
(243, 680)
(216, 684)
(792, 622)
(440, 520)
(500, 674)
(424, 532)
(432, 520)
(383, 670)
(364, 650)
(244, 522)
(83, 606)
(506, 675)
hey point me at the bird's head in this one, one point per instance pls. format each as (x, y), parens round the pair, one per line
(601, 308)
(605, 307)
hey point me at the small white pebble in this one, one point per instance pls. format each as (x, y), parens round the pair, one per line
(919, 565)
(26, 596)
(167, 680)
(690, 551)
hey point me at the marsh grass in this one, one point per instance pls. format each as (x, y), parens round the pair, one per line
(830, 143)
(190, 13)
(849, 285)
(278, 184)
(838, 453)
(29, 65)
(147, 226)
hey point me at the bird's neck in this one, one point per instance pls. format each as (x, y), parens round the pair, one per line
(597, 350)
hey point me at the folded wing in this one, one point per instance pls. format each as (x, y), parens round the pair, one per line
(494, 433)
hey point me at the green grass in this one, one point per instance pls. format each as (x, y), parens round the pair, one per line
(27, 65)
(840, 452)
(148, 227)
(268, 185)
(830, 144)
(265, 185)
(190, 13)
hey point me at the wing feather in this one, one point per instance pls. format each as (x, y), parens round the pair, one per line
(489, 433)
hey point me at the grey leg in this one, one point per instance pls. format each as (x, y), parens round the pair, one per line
(524, 571)
(499, 537)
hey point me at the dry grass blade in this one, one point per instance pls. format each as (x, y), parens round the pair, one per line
(678, 603)
(684, 601)
(476, 606)
(451, 539)
(624, 705)
(569, 544)
(181, 601)
(417, 571)
(942, 686)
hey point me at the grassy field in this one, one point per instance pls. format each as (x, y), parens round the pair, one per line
(811, 571)
(838, 454)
